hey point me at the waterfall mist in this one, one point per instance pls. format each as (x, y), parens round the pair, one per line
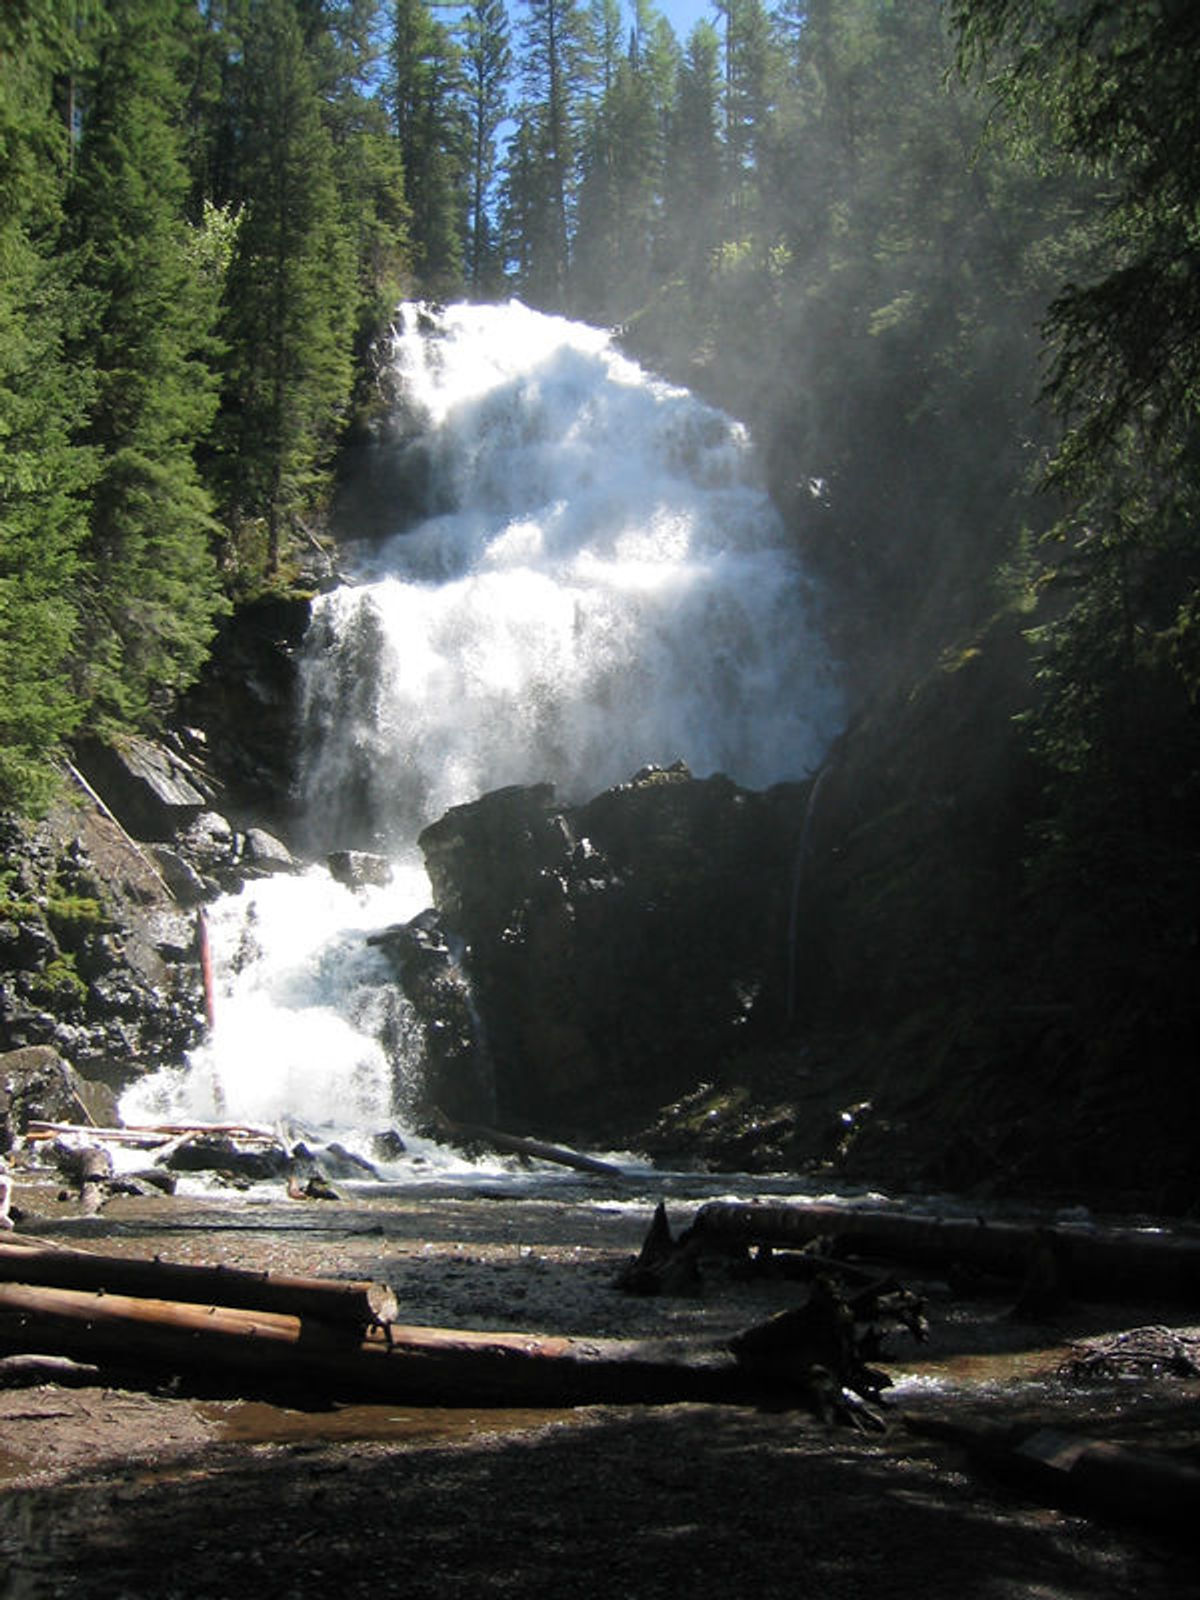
(602, 583)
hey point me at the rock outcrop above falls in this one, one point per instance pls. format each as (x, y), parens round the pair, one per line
(619, 948)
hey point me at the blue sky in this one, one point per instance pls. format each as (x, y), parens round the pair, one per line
(683, 15)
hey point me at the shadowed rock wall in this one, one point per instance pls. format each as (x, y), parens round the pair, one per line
(618, 948)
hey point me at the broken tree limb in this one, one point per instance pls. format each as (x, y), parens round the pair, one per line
(19, 1371)
(404, 1365)
(1089, 1475)
(1104, 1262)
(518, 1145)
(350, 1304)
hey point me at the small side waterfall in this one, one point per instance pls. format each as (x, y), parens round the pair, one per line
(599, 582)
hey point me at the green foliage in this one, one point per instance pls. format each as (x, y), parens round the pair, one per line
(290, 301)
(540, 180)
(487, 61)
(1108, 92)
(58, 986)
(44, 472)
(149, 570)
(72, 918)
(425, 88)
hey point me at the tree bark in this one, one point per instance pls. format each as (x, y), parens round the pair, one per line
(1105, 1262)
(400, 1364)
(353, 1304)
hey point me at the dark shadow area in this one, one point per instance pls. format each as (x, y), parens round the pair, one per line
(722, 1503)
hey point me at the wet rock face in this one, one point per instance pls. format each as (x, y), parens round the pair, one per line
(36, 1084)
(618, 947)
(247, 703)
(96, 957)
(457, 1066)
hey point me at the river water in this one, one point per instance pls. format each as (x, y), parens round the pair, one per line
(561, 569)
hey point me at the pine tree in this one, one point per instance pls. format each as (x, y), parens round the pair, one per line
(487, 60)
(748, 98)
(291, 302)
(344, 42)
(425, 93)
(692, 182)
(618, 194)
(552, 64)
(44, 472)
(152, 583)
(1107, 92)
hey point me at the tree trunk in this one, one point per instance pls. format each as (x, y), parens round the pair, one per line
(403, 1365)
(518, 1145)
(349, 1304)
(1108, 1263)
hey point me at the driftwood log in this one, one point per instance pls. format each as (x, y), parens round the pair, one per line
(1090, 1475)
(518, 1145)
(397, 1363)
(1107, 1263)
(149, 1133)
(24, 1370)
(351, 1304)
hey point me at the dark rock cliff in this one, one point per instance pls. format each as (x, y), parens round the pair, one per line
(618, 949)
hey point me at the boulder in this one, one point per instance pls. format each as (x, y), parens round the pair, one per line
(360, 869)
(146, 787)
(620, 948)
(36, 1084)
(180, 877)
(264, 854)
(230, 1160)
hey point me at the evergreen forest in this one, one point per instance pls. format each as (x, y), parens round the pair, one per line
(944, 259)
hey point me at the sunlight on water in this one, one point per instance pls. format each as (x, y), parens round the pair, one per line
(600, 583)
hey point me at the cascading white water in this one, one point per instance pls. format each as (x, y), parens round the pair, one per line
(600, 583)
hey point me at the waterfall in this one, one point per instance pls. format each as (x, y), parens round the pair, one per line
(563, 569)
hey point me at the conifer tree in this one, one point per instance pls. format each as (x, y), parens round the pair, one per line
(487, 59)
(425, 89)
(290, 305)
(553, 58)
(152, 583)
(44, 472)
(615, 234)
(692, 183)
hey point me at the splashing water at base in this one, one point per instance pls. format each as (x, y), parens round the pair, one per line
(599, 583)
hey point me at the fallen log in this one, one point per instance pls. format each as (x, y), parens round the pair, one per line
(1090, 1475)
(148, 1133)
(1106, 1263)
(518, 1145)
(400, 1364)
(24, 1370)
(353, 1304)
